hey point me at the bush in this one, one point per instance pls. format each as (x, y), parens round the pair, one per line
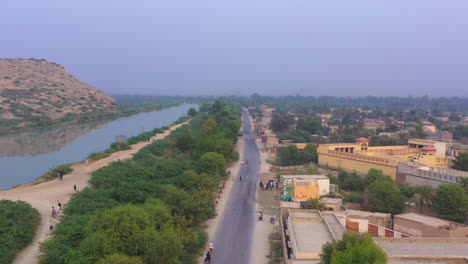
(234, 156)
(62, 169)
(98, 155)
(353, 198)
(312, 204)
(18, 223)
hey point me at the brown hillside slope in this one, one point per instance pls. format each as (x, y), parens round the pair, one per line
(30, 87)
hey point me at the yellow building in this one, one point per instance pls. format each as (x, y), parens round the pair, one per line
(361, 157)
(304, 190)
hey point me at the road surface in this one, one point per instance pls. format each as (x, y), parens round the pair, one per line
(234, 237)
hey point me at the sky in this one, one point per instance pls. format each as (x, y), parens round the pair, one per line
(241, 47)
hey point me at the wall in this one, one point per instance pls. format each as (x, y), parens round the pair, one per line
(357, 165)
(415, 175)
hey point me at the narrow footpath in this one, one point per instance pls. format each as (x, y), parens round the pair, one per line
(234, 233)
(45, 195)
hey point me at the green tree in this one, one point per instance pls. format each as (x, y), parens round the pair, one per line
(312, 124)
(185, 142)
(165, 248)
(312, 203)
(353, 249)
(374, 175)
(451, 202)
(464, 182)
(422, 196)
(213, 164)
(120, 259)
(208, 126)
(192, 112)
(461, 162)
(385, 197)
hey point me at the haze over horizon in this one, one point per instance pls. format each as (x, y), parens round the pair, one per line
(355, 48)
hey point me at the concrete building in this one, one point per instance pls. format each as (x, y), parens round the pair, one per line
(304, 187)
(304, 232)
(424, 250)
(379, 219)
(361, 157)
(334, 203)
(413, 173)
(423, 226)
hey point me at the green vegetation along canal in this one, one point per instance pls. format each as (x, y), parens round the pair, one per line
(27, 155)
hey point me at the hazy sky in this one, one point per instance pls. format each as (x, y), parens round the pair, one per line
(310, 47)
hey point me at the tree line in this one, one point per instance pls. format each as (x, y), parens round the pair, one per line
(150, 209)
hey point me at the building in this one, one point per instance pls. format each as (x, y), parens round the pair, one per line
(304, 187)
(304, 232)
(440, 135)
(413, 173)
(424, 250)
(361, 157)
(333, 203)
(379, 219)
(424, 226)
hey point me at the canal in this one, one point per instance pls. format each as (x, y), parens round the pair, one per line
(25, 156)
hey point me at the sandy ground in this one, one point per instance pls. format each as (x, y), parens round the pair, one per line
(45, 195)
(268, 205)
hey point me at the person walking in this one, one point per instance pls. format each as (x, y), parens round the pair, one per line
(261, 185)
(54, 212)
(51, 228)
(240, 177)
(74, 187)
(58, 175)
(59, 205)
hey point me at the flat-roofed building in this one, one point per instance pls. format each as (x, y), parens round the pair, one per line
(413, 173)
(305, 232)
(334, 203)
(424, 250)
(288, 185)
(361, 157)
(424, 226)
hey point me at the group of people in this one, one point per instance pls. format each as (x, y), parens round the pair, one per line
(55, 212)
(270, 185)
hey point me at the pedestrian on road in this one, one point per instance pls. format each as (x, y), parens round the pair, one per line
(261, 185)
(54, 213)
(51, 228)
(242, 162)
(74, 187)
(240, 177)
(211, 246)
(59, 205)
(58, 175)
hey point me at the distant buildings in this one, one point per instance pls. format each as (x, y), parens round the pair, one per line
(303, 187)
(413, 173)
(424, 226)
(361, 157)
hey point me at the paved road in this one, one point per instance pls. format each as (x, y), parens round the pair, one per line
(233, 239)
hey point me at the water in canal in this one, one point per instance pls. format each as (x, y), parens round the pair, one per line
(27, 155)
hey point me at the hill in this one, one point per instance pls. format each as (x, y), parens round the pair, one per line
(37, 90)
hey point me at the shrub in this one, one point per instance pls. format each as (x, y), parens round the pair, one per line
(98, 155)
(62, 169)
(353, 198)
(18, 223)
(234, 156)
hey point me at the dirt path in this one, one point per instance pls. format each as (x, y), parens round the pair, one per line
(45, 195)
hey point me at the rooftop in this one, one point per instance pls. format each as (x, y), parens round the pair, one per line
(331, 200)
(362, 139)
(424, 247)
(366, 214)
(304, 177)
(427, 220)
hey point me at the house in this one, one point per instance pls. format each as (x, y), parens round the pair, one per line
(424, 226)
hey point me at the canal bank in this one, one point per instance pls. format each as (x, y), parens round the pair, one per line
(45, 195)
(26, 156)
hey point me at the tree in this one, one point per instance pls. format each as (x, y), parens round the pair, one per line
(213, 164)
(461, 162)
(464, 182)
(192, 112)
(353, 248)
(422, 196)
(385, 197)
(165, 248)
(451, 202)
(281, 122)
(312, 124)
(217, 106)
(312, 203)
(208, 126)
(374, 175)
(185, 142)
(350, 181)
(120, 259)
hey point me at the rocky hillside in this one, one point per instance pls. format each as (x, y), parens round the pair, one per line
(38, 88)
